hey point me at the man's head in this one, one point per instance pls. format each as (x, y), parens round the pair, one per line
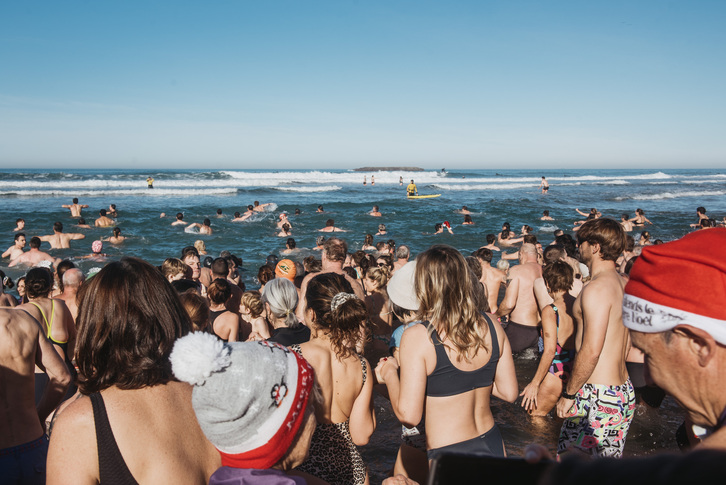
(206, 222)
(491, 238)
(335, 249)
(528, 253)
(604, 236)
(102, 212)
(403, 253)
(329, 223)
(484, 254)
(20, 222)
(220, 268)
(73, 278)
(673, 308)
(20, 239)
(291, 244)
(190, 256)
(219, 212)
(701, 210)
(35, 242)
(553, 253)
(179, 216)
(375, 208)
(58, 227)
(75, 200)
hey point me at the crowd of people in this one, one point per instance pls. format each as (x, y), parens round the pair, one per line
(177, 373)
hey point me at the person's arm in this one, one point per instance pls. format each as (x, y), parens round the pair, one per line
(76, 235)
(510, 298)
(16, 261)
(595, 316)
(8, 252)
(581, 213)
(549, 335)
(362, 416)
(45, 238)
(48, 360)
(510, 256)
(97, 224)
(72, 456)
(84, 206)
(259, 326)
(505, 385)
(407, 392)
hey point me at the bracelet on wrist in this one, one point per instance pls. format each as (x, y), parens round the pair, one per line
(568, 396)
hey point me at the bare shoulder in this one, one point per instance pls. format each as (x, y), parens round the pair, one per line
(415, 334)
(74, 416)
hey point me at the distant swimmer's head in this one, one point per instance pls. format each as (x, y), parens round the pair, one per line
(58, 227)
(368, 241)
(97, 247)
(297, 211)
(506, 226)
(250, 207)
(624, 217)
(116, 231)
(291, 244)
(464, 208)
(206, 222)
(543, 177)
(257, 202)
(102, 212)
(75, 200)
(320, 208)
(20, 222)
(237, 214)
(179, 216)
(375, 208)
(20, 235)
(81, 221)
(286, 227)
(35, 242)
(438, 227)
(381, 228)
(467, 218)
(701, 210)
(320, 240)
(546, 213)
(219, 212)
(330, 223)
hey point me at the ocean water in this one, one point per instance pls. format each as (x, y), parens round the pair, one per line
(668, 197)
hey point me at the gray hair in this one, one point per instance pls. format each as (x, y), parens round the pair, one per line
(281, 295)
(73, 279)
(402, 252)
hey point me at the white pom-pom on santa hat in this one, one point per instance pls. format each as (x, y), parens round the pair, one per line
(196, 356)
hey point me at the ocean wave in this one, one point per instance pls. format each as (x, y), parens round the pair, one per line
(613, 182)
(93, 193)
(673, 195)
(547, 228)
(458, 187)
(702, 181)
(272, 179)
(323, 188)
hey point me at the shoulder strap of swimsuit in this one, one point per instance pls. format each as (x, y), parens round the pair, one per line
(45, 320)
(112, 468)
(495, 339)
(557, 314)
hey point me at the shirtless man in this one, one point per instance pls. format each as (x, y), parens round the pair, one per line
(599, 381)
(491, 243)
(403, 253)
(23, 346)
(219, 214)
(75, 207)
(72, 281)
(260, 207)
(700, 212)
(34, 256)
(117, 238)
(330, 227)
(284, 230)
(16, 250)
(625, 223)
(546, 216)
(82, 224)
(19, 224)
(59, 239)
(104, 221)
(464, 210)
(333, 257)
(375, 212)
(204, 228)
(239, 217)
(519, 302)
(179, 220)
(492, 278)
(290, 246)
(439, 227)
(544, 185)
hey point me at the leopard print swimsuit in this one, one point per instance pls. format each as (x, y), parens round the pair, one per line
(333, 457)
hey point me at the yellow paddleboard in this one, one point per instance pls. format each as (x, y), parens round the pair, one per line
(423, 196)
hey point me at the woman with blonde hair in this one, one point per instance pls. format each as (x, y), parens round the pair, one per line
(201, 247)
(345, 414)
(456, 359)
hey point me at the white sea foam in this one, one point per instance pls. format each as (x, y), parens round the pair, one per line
(152, 193)
(548, 228)
(483, 186)
(612, 182)
(323, 188)
(673, 195)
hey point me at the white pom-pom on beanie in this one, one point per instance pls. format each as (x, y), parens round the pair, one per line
(196, 356)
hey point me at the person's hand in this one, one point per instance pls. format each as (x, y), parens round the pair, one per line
(529, 400)
(399, 480)
(565, 407)
(535, 453)
(383, 367)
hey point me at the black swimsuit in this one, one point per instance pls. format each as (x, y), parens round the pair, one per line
(112, 469)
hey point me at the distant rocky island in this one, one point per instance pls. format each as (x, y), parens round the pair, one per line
(388, 169)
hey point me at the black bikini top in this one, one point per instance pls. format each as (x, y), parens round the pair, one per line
(447, 380)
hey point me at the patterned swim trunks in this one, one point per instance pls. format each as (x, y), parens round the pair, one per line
(599, 420)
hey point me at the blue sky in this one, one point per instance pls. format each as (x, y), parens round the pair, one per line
(293, 84)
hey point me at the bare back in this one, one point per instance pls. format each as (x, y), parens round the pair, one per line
(525, 311)
(56, 315)
(492, 279)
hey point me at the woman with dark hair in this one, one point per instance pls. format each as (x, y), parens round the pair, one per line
(5, 299)
(128, 319)
(56, 320)
(225, 324)
(368, 243)
(456, 359)
(264, 275)
(345, 415)
(60, 270)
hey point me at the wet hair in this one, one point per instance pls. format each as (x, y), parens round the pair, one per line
(291, 244)
(282, 297)
(19, 235)
(297, 211)
(484, 254)
(381, 227)
(527, 228)
(558, 276)
(701, 210)
(219, 291)
(81, 221)
(116, 231)
(545, 213)
(505, 233)
(474, 266)
(250, 207)
(329, 223)
(657, 241)
(38, 282)
(286, 227)
(75, 200)
(60, 270)
(102, 212)
(403, 252)
(253, 300)
(335, 249)
(18, 220)
(706, 223)
(320, 207)
(380, 274)
(6, 281)
(58, 227)
(448, 299)
(179, 216)
(128, 320)
(624, 217)
(438, 226)
(197, 309)
(219, 212)
(206, 222)
(220, 268)
(189, 251)
(507, 226)
(265, 274)
(343, 324)
(312, 265)
(467, 218)
(35, 242)
(491, 238)
(386, 259)
(530, 239)
(607, 233)
(640, 212)
(237, 214)
(553, 253)
(375, 207)
(200, 246)
(368, 241)
(645, 235)
(629, 243)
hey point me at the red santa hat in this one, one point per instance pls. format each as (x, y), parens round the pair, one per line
(680, 282)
